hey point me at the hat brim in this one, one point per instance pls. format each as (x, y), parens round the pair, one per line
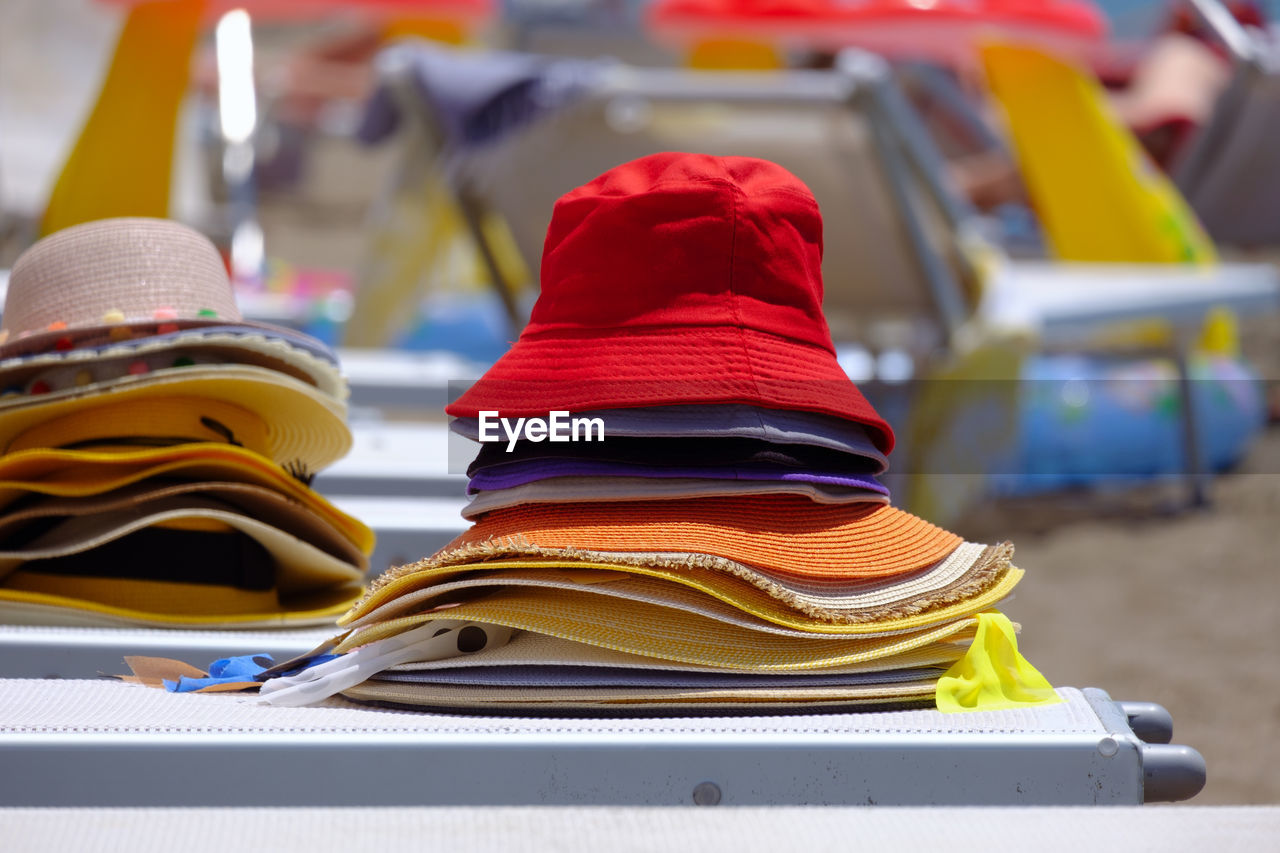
(584, 489)
(100, 335)
(277, 349)
(716, 597)
(605, 701)
(512, 474)
(782, 534)
(82, 473)
(777, 426)
(656, 631)
(526, 648)
(300, 563)
(580, 370)
(159, 604)
(582, 675)
(143, 498)
(969, 571)
(304, 427)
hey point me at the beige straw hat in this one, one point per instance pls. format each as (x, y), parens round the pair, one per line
(136, 310)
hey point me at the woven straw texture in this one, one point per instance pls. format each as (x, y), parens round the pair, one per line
(780, 533)
(661, 632)
(133, 266)
(965, 572)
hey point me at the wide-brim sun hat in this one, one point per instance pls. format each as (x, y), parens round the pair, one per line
(83, 473)
(95, 366)
(129, 603)
(214, 554)
(134, 309)
(125, 280)
(717, 597)
(298, 565)
(970, 571)
(784, 534)
(37, 526)
(678, 279)
(665, 633)
(525, 649)
(272, 414)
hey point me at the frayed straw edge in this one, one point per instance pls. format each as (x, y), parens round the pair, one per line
(992, 565)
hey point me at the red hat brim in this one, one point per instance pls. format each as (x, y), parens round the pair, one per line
(583, 369)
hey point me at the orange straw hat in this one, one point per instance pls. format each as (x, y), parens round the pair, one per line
(786, 534)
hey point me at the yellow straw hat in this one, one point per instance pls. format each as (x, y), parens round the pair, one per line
(973, 573)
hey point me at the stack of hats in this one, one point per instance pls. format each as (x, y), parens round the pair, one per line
(156, 449)
(726, 546)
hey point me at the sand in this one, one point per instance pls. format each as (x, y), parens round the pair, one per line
(1176, 607)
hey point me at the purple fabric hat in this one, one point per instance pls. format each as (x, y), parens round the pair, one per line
(685, 453)
(531, 470)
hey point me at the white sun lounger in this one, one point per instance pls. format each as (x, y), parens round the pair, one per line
(745, 829)
(104, 744)
(899, 243)
(45, 651)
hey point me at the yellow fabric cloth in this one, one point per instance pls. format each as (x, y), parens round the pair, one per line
(993, 675)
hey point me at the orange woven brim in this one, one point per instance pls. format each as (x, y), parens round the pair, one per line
(787, 534)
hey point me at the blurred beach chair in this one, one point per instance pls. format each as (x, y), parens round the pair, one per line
(884, 271)
(1098, 197)
(906, 270)
(1230, 168)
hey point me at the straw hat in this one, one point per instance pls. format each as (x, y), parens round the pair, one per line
(783, 534)
(966, 575)
(129, 603)
(84, 473)
(197, 553)
(679, 279)
(136, 310)
(653, 630)
(716, 597)
(51, 526)
(527, 649)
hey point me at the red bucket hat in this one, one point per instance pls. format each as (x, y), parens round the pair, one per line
(678, 279)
